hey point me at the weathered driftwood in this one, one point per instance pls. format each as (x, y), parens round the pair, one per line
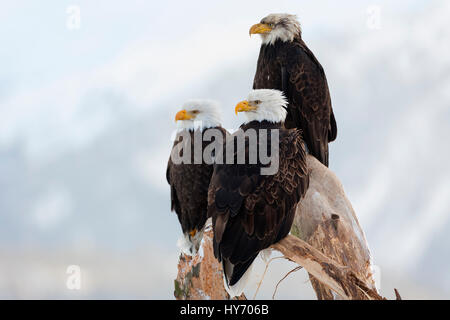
(330, 246)
(326, 220)
(333, 276)
(200, 277)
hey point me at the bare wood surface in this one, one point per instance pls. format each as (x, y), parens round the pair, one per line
(334, 276)
(326, 220)
(200, 277)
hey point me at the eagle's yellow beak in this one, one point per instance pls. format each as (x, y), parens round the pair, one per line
(183, 115)
(260, 28)
(244, 106)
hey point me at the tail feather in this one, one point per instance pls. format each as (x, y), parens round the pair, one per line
(332, 131)
(236, 276)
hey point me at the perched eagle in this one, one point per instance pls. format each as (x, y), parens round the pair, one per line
(285, 63)
(251, 211)
(189, 180)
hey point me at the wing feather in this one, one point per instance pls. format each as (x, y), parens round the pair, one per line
(293, 68)
(308, 93)
(261, 208)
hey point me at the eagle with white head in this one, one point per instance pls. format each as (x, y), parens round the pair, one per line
(251, 211)
(189, 182)
(285, 63)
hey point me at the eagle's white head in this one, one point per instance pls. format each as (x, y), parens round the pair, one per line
(276, 26)
(264, 104)
(198, 114)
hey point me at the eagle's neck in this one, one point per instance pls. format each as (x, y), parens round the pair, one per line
(273, 115)
(281, 36)
(191, 125)
(261, 125)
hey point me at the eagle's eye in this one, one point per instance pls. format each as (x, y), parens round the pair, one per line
(195, 111)
(257, 101)
(271, 25)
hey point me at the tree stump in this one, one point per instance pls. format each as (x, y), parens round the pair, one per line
(200, 277)
(326, 220)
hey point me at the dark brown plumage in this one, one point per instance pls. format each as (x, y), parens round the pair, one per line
(291, 67)
(189, 189)
(251, 211)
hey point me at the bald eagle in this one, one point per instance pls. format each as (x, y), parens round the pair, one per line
(286, 63)
(189, 179)
(251, 211)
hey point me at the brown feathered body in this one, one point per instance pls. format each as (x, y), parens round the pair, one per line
(292, 68)
(189, 184)
(251, 211)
